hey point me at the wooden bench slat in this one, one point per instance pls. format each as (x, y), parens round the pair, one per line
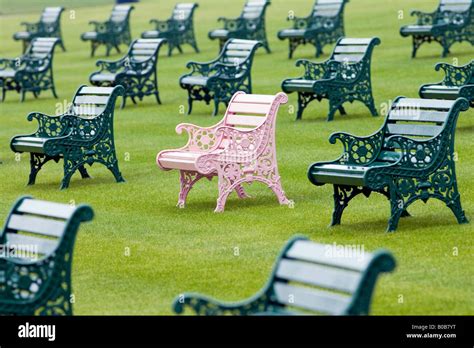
(418, 115)
(38, 207)
(423, 103)
(96, 90)
(308, 251)
(248, 108)
(27, 243)
(317, 275)
(34, 224)
(90, 99)
(254, 98)
(413, 130)
(243, 120)
(311, 299)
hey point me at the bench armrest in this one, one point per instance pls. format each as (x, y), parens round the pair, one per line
(48, 125)
(415, 154)
(163, 26)
(101, 27)
(242, 146)
(31, 27)
(231, 24)
(6, 63)
(424, 18)
(312, 71)
(110, 65)
(203, 68)
(203, 305)
(195, 134)
(455, 75)
(358, 150)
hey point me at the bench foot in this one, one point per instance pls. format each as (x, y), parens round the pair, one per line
(187, 181)
(342, 196)
(37, 161)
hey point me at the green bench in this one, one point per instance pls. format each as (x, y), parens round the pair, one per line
(308, 278)
(458, 82)
(220, 78)
(136, 71)
(451, 22)
(31, 72)
(177, 30)
(344, 77)
(111, 33)
(410, 158)
(83, 135)
(49, 25)
(250, 25)
(37, 245)
(324, 26)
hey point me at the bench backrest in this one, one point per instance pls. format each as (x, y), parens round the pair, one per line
(239, 52)
(250, 110)
(328, 8)
(421, 119)
(325, 279)
(183, 11)
(254, 9)
(455, 5)
(35, 229)
(353, 50)
(51, 15)
(121, 13)
(42, 47)
(89, 102)
(144, 49)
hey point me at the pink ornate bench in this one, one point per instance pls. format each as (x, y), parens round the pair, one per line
(238, 149)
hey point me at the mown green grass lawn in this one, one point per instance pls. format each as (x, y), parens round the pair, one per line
(173, 250)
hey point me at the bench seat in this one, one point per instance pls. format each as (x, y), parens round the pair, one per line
(151, 34)
(29, 144)
(458, 82)
(249, 25)
(177, 30)
(136, 71)
(417, 29)
(323, 26)
(344, 77)
(450, 23)
(82, 135)
(37, 244)
(219, 34)
(238, 142)
(48, 26)
(307, 279)
(404, 161)
(440, 92)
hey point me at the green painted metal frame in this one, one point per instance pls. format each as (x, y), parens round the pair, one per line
(337, 81)
(43, 28)
(446, 27)
(177, 30)
(224, 77)
(461, 77)
(244, 28)
(43, 286)
(264, 303)
(79, 137)
(137, 76)
(318, 30)
(111, 33)
(419, 169)
(31, 72)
